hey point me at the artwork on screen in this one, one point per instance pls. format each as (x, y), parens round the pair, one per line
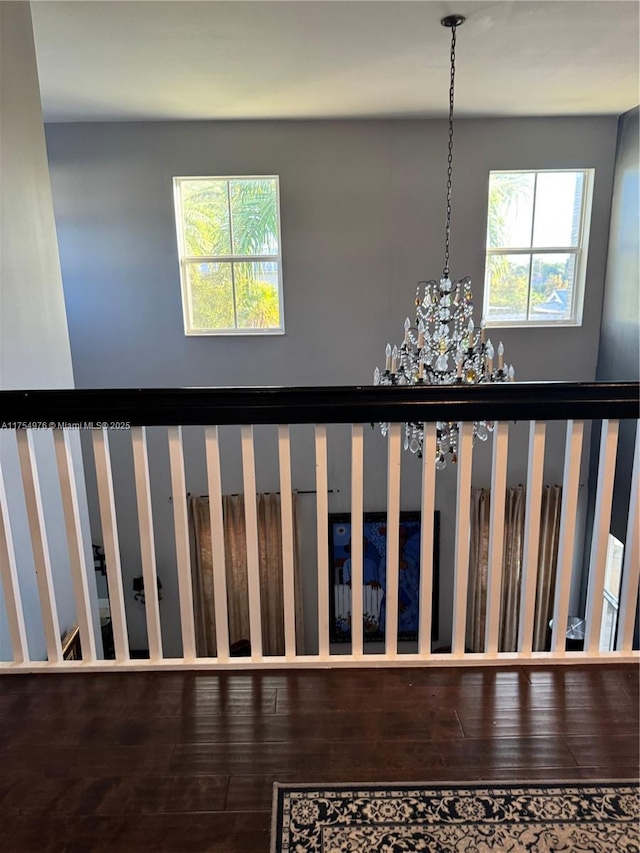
(374, 576)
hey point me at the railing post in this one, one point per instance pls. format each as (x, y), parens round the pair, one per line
(631, 560)
(10, 583)
(183, 554)
(599, 541)
(218, 559)
(39, 544)
(428, 505)
(566, 547)
(532, 514)
(357, 539)
(286, 520)
(75, 542)
(496, 535)
(147, 541)
(253, 553)
(111, 544)
(392, 591)
(322, 524)
(463, 527)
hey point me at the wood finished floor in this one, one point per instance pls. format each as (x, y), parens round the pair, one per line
(134, 763)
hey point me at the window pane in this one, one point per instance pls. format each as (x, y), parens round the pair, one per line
(552, 278)
(205, 211)
(613, 573)
(608, 626)
(257, 300)
(254, 214)
(508, 285)
(558, 209)
(211, 293)
(615, 551)
(510, 209)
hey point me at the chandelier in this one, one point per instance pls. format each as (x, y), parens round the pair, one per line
(442, 346)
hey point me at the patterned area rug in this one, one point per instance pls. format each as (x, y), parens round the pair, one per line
(581, 817)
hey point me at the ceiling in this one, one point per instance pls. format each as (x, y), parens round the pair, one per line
(302, 59)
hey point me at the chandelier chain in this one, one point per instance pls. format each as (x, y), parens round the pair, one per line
(445, 271)
(441, 345)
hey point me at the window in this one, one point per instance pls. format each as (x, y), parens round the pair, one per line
(612, 577)
(230, 257)
(537, 235)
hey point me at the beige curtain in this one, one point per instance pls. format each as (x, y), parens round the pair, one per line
(478, 561)
(512, 567)
(547, 562)
(235, 546)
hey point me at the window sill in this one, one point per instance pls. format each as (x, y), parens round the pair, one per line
(527, 324)
(226, 333)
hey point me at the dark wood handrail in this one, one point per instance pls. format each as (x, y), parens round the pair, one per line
(339, 404)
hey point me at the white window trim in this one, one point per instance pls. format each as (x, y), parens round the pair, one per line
(581, 251)
(184, 259)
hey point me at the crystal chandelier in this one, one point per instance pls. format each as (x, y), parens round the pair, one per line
(442, 346)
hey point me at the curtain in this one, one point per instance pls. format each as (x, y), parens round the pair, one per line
(547, 562)
(235, 547)
(512, 557)
(478, 561)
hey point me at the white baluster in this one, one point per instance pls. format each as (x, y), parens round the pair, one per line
(217, 543)
(251, 524)
(183, 554)
(566, 547)
(631, 561)
(39, 544)
(322, 524)
(111, 544)
(75, 541)
(463, 522)
(428, 504)
(10, 584)
(147, 541)
(533, 507)
(357, 538)
(286, 517)
(600, 538)
(496, 535)
(393, 540)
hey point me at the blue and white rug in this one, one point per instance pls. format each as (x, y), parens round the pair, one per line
(555, 818)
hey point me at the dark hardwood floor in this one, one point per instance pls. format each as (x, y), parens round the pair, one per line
(133, 762)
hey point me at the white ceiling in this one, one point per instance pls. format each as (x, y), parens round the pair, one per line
(302, 59)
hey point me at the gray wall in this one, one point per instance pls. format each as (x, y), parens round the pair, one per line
(34, 340)
(619, 356)
(362, 222)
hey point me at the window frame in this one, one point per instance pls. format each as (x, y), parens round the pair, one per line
(580, 251)
(185, 260)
